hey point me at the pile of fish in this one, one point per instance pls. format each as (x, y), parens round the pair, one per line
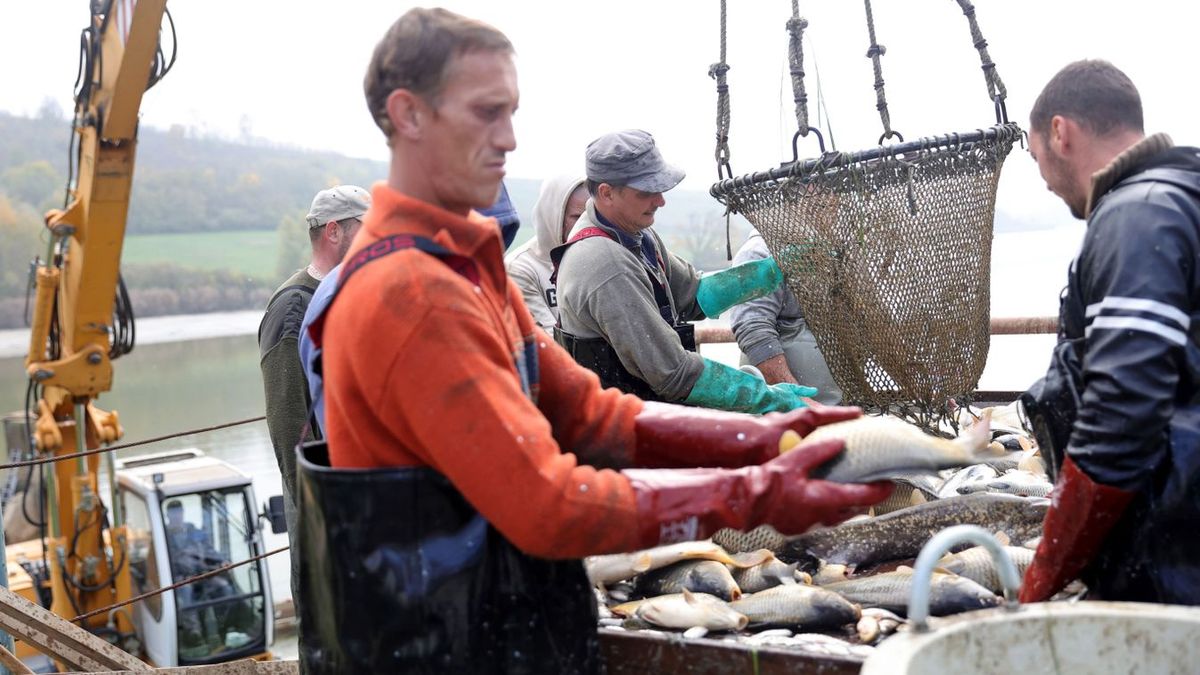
(840, 590)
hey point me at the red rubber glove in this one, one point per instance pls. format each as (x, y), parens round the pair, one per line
(1081, 514)
(675, 436)
(685, 504)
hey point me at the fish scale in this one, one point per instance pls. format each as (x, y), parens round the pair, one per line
(797, 605)
(879, 447)
(948, 593)
(977, 565)
(901, 534)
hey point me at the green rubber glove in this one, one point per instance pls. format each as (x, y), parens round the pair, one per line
(721, 290)
(728, 388)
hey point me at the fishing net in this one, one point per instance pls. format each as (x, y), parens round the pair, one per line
(889, 253)
(888, 250)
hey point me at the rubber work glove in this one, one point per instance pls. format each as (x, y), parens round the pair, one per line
(671, 436)
(726, 388)
(1082, 512)
(684, 504)
(721, 290)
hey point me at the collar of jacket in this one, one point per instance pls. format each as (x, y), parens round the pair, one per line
(638, 243)
(475, 236)
(1104, 179)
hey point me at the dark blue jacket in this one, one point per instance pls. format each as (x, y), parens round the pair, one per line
(1130, 326)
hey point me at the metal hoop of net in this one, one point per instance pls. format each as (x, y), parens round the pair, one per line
(888, 250)
(889, 253)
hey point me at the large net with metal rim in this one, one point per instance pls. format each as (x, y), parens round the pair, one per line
(889, 254)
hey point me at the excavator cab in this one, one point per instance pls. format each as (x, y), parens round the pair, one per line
(190, 515)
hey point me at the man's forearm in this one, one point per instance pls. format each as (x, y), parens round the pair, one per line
(775, 370)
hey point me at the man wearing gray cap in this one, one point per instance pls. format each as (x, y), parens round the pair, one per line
(625, 300)
(333, 220)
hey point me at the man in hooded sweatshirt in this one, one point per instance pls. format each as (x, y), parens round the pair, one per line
(559, 205)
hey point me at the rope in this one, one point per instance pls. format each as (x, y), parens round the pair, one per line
(184, 582)
(795, 28)
(996, 90)
(874, 52)
(111, 448)
(717, 71)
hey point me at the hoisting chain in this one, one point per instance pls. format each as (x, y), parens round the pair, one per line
(874, 52)
(795, 28)
(717, 71)
(996, 91)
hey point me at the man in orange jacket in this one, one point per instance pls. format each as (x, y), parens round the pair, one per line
(473, 460)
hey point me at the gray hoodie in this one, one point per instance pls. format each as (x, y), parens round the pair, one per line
(529, 264)
(757, 323)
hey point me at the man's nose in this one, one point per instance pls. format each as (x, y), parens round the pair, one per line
(659, 200)
(506, 138)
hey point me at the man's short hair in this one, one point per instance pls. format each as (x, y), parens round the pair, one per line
(1094, 93)
(593, 186)
(415, 53)
(174, 504)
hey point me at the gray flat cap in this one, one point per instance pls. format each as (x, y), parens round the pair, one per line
(630, 158)
(338, 203)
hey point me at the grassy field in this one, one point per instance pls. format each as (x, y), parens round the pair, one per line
(253, 253)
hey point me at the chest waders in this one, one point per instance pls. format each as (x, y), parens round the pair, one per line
(399, 573)
(596, 354)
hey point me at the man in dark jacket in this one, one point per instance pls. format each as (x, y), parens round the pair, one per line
(1118, 413)
(333, 219)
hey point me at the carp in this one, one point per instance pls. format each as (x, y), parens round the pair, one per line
(948, 593)
(977, 565)
(697, 576)
(685, 610)
(880, 447)
(606, 569)
(901, 534)
(809, 607)
(768, 574)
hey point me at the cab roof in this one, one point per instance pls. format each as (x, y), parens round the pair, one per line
(178, 472)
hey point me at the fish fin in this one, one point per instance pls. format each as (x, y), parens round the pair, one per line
(643, 563)
(917, 498)
(942, 570)
(1003, 539)
(904, 568)
(788, 441)
(751, 558)
(688, 597)
(626, 608)
(1032, 544)
(1024, 443)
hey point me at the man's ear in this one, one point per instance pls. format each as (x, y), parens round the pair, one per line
(331, 233)
(1062, 134)
(407, 112)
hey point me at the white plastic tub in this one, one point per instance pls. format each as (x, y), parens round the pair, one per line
(1070, 638)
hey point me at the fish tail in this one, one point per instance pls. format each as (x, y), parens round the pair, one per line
(975, 440)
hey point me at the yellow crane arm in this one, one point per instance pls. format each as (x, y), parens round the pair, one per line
(70, 344)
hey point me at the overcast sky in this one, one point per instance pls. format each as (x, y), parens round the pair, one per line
(292, 72)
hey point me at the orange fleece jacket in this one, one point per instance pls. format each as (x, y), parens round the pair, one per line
(421, 370)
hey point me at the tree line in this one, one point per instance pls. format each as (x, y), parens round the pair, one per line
(185, 182)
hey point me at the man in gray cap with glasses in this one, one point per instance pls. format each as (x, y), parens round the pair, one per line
(625, 300)
(333, 220)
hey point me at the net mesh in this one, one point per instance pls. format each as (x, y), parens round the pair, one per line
(890, 258)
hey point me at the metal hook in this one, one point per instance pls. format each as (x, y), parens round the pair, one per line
(796, 140)
(889, 134)
(1001, 110)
